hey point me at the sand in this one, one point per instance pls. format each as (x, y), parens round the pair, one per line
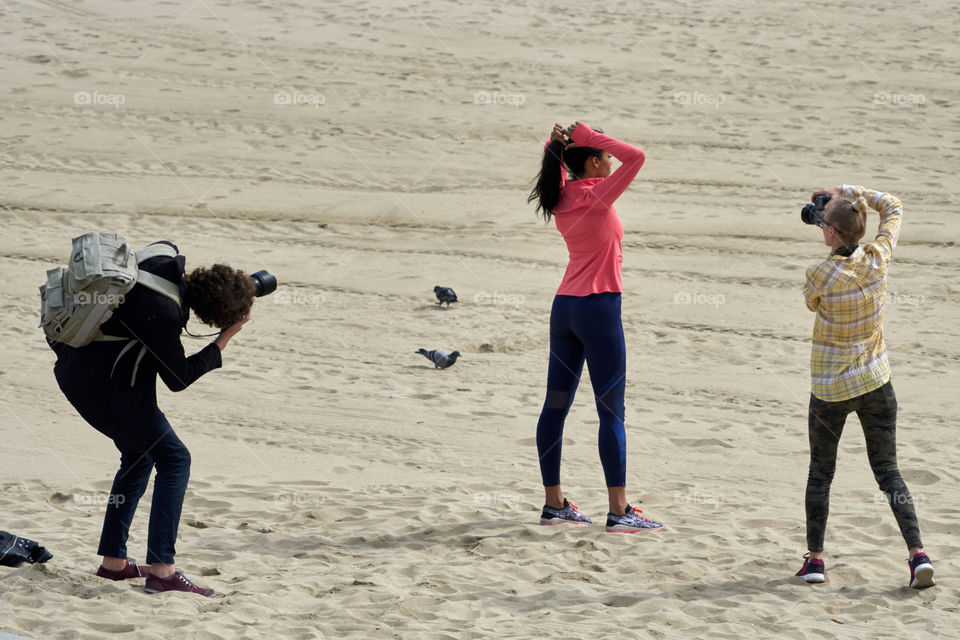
(367, 151)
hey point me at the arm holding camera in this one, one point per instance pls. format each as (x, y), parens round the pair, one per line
(891, 212)
(160, 334)
(219, 296)
(841, 212)
(229, 332)
(888, 206)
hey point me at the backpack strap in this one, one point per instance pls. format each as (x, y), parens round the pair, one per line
(160, 285)
(153, 282)
(155, 251)
(136, 365)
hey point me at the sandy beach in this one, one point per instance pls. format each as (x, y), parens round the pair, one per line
(366, 151)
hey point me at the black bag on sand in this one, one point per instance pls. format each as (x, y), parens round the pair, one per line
(15, 550)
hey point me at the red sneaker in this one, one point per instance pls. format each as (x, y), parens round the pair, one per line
(132, 570)
(178, 581)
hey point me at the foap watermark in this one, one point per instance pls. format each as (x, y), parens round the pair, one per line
(697, 499)
(712, 299)
(514, 100)
(508, 500)
(100, 499)
(697, 99)
(81, 298)
(295, 97)
(908, 299)
(511, 299)
(899, 99)
(310, 298)
(97, 99)
(299, 499)
(896, 497)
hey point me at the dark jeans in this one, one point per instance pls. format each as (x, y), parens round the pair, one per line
(585, 328)
(158, 447)
(877, 411)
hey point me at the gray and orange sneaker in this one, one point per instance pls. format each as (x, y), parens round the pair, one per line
(921, 571)
(631, 521)
(812, 570)
(551, 516)
(177, 581)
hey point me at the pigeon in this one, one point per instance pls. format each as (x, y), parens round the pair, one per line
(441, 359)
(445, 294)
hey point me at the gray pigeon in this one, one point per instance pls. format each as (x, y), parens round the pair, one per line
(441, 359)
(445, 294)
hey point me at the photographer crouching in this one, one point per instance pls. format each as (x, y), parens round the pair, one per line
(111, 381)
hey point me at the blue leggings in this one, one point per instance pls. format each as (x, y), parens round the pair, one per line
(585, 328)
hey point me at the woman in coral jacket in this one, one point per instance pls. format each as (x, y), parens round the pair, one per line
(585, 322)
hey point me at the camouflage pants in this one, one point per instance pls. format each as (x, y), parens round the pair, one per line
(877, 411)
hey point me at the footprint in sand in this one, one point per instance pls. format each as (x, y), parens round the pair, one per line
(700, 442)
(920, 476)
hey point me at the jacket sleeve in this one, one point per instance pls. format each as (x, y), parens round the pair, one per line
(160, 333)
(631, 159)
(811, 290)
(891, 212)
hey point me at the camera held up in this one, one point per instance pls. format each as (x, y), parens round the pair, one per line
(812, 212)
(264, 283)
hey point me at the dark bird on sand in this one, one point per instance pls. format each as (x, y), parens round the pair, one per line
(445, 294)
(441, 359)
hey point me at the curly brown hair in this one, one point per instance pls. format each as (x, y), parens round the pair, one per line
(221, 296)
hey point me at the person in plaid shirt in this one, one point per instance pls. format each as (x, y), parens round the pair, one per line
(849, 367)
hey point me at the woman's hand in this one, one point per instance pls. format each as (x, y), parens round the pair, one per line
(833, 192)
(557, 135)
(229, 332)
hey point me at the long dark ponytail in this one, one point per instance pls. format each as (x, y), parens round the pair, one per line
(546, 191)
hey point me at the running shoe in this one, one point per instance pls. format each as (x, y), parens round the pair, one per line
(631, 521)
(132, 570)
(921, 572)
(552, 516)
(812, 570)
(177, 581)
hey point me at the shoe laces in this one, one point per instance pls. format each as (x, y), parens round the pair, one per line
(807, 560)
(573, 506)
(632, 510)
(183, 577)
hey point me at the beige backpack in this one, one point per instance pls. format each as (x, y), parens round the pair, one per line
(102, 269)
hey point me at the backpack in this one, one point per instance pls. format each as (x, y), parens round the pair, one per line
(101, 270)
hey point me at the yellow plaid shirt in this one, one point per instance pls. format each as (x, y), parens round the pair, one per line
(849, 356)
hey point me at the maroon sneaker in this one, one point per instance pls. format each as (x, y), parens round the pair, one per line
(812, 570)
(178, 581)
(132, 570)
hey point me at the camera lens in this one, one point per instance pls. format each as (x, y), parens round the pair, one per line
(809, 214)
(263, 283)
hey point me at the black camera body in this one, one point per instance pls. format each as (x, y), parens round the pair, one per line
(263, 283)
(812, 212)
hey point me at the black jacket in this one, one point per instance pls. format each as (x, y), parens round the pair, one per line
(98, 384)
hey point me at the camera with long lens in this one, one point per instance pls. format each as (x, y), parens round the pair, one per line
(812, 213)
(264, 283)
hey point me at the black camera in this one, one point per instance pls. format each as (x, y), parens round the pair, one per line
(812, 213)
(263, 283)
